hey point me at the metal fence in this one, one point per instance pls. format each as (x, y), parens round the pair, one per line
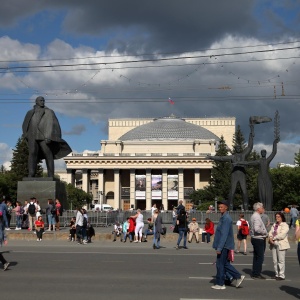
(105, 219)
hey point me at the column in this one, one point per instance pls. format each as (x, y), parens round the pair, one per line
(71, 176)
(180, 185)
(85, 180)
(132, 187)
(117, 203)
(197, 179)
(165, 188)
(148, 189)
(101, 191)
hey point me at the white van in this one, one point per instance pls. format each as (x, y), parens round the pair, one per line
(102, 207)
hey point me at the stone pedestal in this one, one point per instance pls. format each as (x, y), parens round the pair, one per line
(42, 189)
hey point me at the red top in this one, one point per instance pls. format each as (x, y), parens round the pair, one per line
(39, 224)
(57, 206)
(210, 228)
(131, 225)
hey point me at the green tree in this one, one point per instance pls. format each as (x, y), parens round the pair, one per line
(220, 173)
(219, 183)
(77, 197)
(238, 140)
(19, 162)
(286, 187)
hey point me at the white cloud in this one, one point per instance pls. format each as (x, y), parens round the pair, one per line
(5, 156)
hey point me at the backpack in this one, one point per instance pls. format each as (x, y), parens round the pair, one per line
(31, 209)
(22, 210)
(244, 227)
(84, 223)
(53, 210)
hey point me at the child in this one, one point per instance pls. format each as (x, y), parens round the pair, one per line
(72, 229)
(117, 231)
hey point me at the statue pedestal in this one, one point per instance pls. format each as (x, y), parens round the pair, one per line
(42, 189)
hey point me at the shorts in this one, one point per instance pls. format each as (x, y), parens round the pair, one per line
(241, 236)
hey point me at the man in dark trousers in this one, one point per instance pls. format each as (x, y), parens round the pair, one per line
(43, 135)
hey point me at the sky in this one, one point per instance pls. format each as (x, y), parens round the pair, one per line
(94, 60)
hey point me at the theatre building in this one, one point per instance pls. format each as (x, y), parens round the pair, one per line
(147, 161)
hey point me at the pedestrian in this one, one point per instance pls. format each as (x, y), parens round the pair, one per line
(139, 225)
(79, 224)
(294, 213)
(193, 228)
(31, 210)
(126, 225)
(258, 234)
(149, 230)
(19, 216)
(209, 230)
(117, 231)
(182, 228)
(3, 208)
(297, 236)
(223, 244)
(39, 228)
(8, 213)
(157, 229)
(72, 230)
(3, 240)
(278, 240)
(242, 233)
(58, 213)
(50, 216)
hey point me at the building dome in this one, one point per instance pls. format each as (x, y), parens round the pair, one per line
(170, 128)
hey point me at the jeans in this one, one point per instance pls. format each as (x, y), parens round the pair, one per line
(225, 267)
(207, 237)
(148, 232)
(156, 239)
(51, 220)
(182, 232)
(19, 221)
(258, 255)
(79, 233)
(84, 233)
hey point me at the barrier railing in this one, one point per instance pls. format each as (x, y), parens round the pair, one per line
(105, 219)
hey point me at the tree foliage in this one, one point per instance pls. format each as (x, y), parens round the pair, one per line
(77, 197)
(19, 162)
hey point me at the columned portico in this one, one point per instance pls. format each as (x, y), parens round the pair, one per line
(146, 161)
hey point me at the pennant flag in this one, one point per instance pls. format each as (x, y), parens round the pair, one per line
(171, 101)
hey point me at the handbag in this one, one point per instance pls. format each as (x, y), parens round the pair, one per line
(163, 230)
(176, 230)
(230, 256)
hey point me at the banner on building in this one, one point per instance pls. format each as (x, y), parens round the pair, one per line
(173, 187)
(156, 186)
(140, 187)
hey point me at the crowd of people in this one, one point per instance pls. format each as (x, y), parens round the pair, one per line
(29, 215)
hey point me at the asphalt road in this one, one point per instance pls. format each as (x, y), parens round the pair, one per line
(105, 270)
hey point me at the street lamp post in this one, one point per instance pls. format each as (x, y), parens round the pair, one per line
(100, 195)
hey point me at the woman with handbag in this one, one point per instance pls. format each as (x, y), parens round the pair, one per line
(157, 220)
(278, 240)
(182, 228)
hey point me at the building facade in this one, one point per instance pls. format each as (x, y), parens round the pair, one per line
(147, 161)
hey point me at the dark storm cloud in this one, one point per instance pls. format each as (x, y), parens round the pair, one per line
(133, 26)
(162, 25)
